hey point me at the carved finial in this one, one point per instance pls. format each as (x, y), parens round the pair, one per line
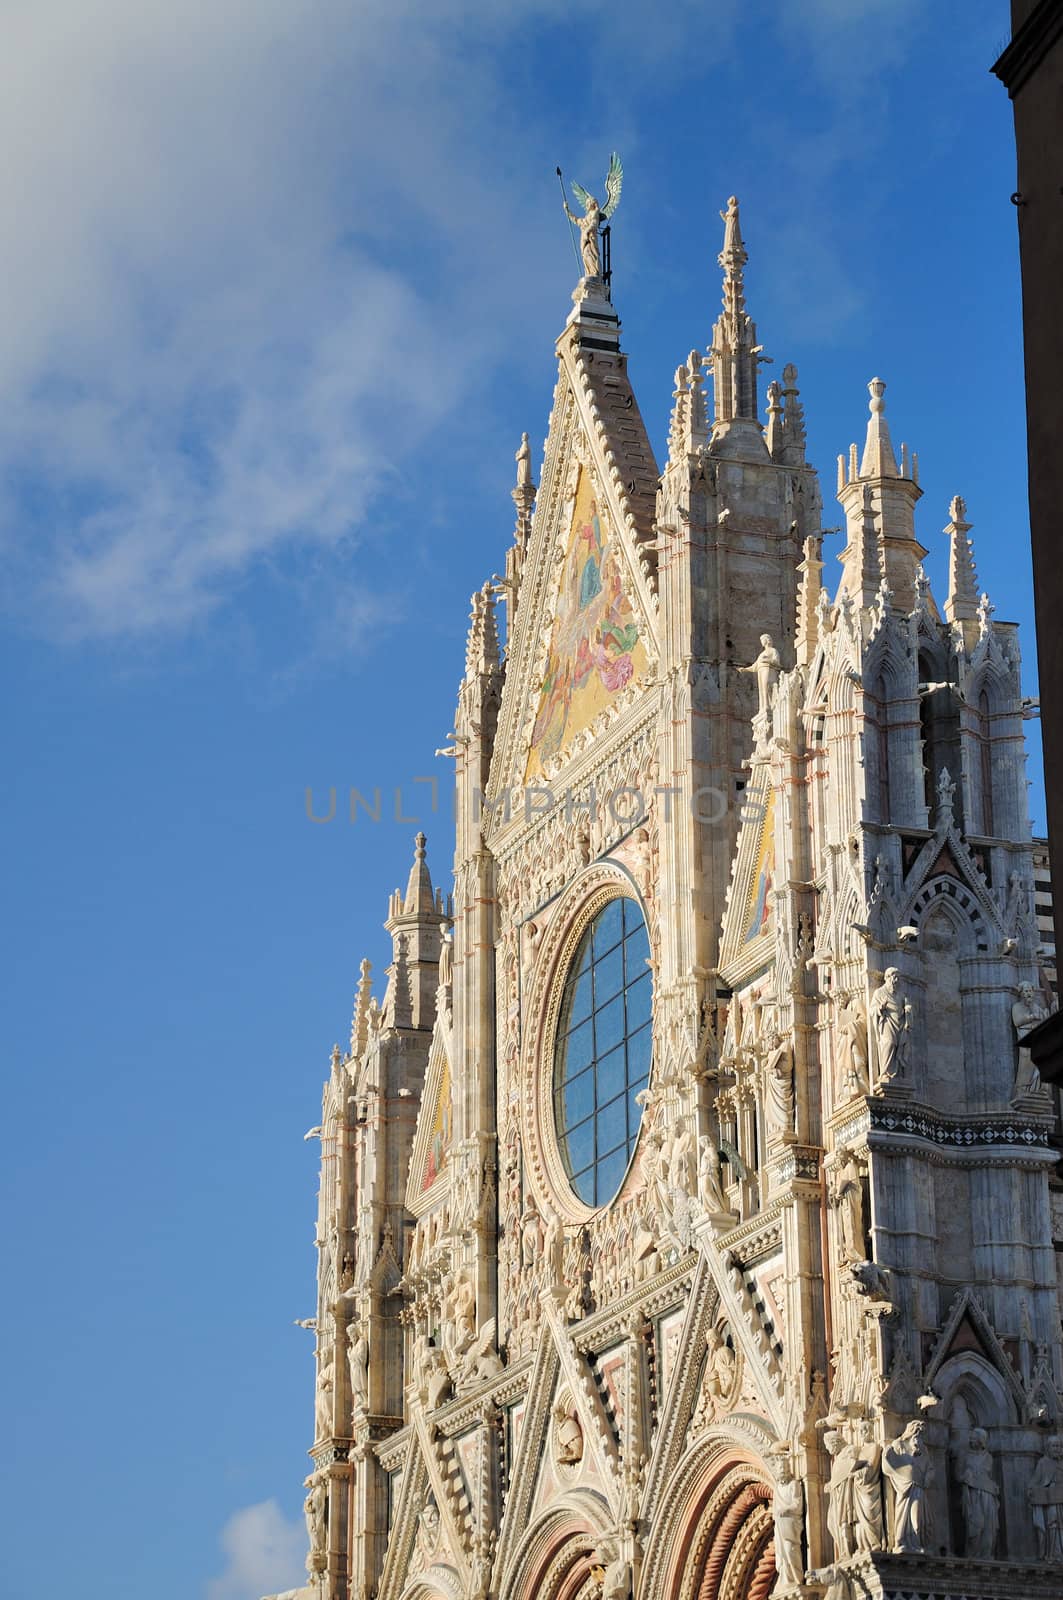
(732, 257)
(962, 602)
(809, 595)
(922, 589)
(985, 614)
(362, 1001)
(793, 415)
(945, 791)
(735, 351)
(678, 428)
(774, 437)
(481, 645)
(419, 900)
(878, 458)
(524, 477)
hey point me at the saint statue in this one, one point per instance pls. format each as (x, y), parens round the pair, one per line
(314, 1508)
(841, 1512)
(852, 1048)
(789, 1509)
(358, 1362)
(594, 216)
(980, 1496)
(867, 1489)
(907, 1463)
(1026, 1013)
(891, 1017)
(766, 667)
(1045, 1495)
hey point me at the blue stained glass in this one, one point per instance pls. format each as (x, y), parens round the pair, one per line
(609, 975)
(609, 1027)
(602, 1063)
(607, 929)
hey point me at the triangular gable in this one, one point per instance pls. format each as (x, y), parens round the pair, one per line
(749, 921)
(596, 647)
(583, 640)
(435, 1125)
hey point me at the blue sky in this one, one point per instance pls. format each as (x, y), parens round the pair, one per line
(282, 285)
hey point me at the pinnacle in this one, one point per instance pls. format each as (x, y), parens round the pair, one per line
(419, 900)
(878, 460)
(962, 602)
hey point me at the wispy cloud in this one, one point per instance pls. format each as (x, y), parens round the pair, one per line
(263, 1554)
(255, 251)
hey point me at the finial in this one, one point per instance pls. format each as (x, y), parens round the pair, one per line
(419, 900)
(962, 602)
(419, 846)
(732, 257)
(878, 459)
(985, 614)
(774, 437)
(945, 791)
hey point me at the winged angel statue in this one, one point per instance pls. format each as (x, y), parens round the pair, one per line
(595, 215)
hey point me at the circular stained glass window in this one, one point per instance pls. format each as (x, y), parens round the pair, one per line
(602, 1055)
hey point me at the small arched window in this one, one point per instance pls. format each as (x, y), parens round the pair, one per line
(602, 1053)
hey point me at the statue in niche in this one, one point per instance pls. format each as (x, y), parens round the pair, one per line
(841, 1514)
(980, 1495)
(554, 1252)
(1045, 1496)
(531, 1237)
(568, 1435)
(779, 1082)
(909, 1468)
(788, 1506)
(847, 1194)
(867, 1488)
(709, 1186)
(852, 1048)
(431, 1373)
(358, 1363)
(315, 1508)
(891, 1018)
(719, 1366)
(323, 1401)
(1026, 1013)
(766, 667)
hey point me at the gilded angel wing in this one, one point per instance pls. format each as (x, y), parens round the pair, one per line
(613, 184)
(581, 195)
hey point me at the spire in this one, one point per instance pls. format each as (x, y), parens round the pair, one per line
(413, 922)
(419, 899)
(774, 436)
(360, 1019)
(877, 492)
(962, 602)
(734, 350)
(793, 421)
(878, 460)
(810, 573)
(481, 645)
(689, 428)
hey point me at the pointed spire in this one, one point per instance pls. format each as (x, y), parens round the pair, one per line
(688, 429)
(734, 350)
(962, 602)
(481, 646)
(876, 486)
(419, 899)
(808, 597)
(362, 1002)
(793, 416)
(862, 574)
(878, 458)
(774, 436)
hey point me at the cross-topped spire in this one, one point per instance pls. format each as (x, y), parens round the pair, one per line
(962, 602)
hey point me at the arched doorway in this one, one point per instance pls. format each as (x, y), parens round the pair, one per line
(715, 1536)
(555, 1559)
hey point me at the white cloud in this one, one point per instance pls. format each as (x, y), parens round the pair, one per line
(264, 1554)
(254, 252)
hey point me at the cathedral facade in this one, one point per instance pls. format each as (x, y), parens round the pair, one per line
(687, 1212)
